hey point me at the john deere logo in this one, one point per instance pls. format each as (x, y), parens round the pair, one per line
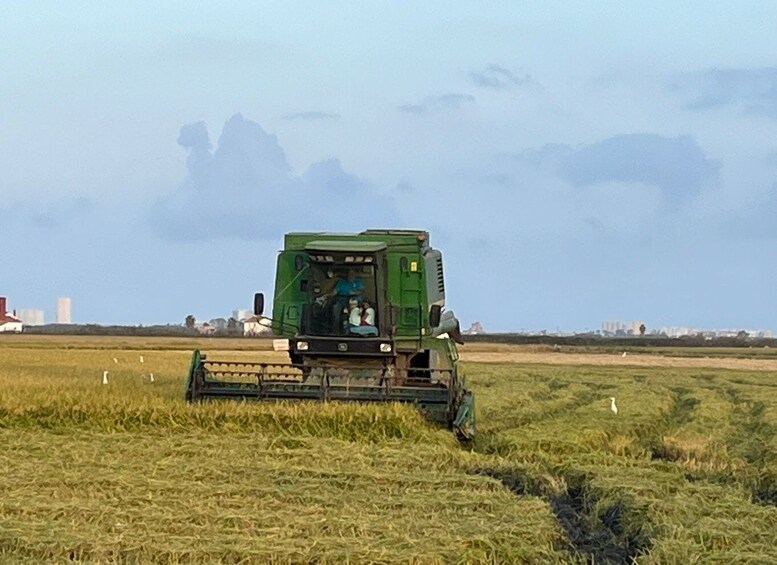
(342, 347)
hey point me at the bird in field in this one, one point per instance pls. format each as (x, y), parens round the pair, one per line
(115, 360)
(613, 406)
(105, 377)
(624, 354)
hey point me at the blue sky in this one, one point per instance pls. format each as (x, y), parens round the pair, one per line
(575, 163)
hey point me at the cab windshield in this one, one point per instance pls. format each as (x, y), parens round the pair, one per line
(342, 300)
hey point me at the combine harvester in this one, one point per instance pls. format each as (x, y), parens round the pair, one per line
(363, 314)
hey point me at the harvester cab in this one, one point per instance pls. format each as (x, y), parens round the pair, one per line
(363, 316)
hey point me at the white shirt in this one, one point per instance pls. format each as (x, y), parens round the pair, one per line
(355, 317)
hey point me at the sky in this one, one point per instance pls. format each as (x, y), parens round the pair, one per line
(575, 162)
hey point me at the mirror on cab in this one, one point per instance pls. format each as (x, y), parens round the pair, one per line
(434, 315)
(258, 304)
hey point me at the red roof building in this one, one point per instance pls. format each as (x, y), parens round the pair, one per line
(8, 323)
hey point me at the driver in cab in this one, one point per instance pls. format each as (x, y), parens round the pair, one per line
(351, 286)
(346, 288)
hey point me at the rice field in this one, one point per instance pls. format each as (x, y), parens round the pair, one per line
(127, 472)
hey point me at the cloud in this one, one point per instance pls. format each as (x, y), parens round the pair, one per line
(677, 165)
(751, 91)
(246, 189)
(311, 116)
(498, 78)
(451, 101)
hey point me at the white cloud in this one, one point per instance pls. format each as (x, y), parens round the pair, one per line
(246, 189)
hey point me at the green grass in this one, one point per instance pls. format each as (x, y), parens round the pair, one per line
(129, 472)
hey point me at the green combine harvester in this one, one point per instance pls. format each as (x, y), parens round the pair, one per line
(364, 321)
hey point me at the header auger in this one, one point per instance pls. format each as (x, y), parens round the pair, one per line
(363, 317)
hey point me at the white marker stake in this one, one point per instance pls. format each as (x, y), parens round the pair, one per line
(105, 377)
(151, 377)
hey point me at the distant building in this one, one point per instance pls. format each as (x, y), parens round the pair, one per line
(257, 325)
(613, 327)
(64, 310)
(30, 316)
(8, 323)
(712, 333)
(475, 329)
(618, 328)
(205, 328)
(242, 314)
(674, 331)
(218, 323)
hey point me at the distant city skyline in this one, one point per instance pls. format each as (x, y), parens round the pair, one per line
(615, 327)
(63, 311)
(63, 308)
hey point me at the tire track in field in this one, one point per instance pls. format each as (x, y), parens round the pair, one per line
(753, 445)
(681, 412)
(594, 534)
(749, 442)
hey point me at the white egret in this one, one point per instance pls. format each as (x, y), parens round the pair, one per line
(613, 407)
(105, 377)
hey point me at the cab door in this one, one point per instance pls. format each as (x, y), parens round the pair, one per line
(290, 292)
(410, 295)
